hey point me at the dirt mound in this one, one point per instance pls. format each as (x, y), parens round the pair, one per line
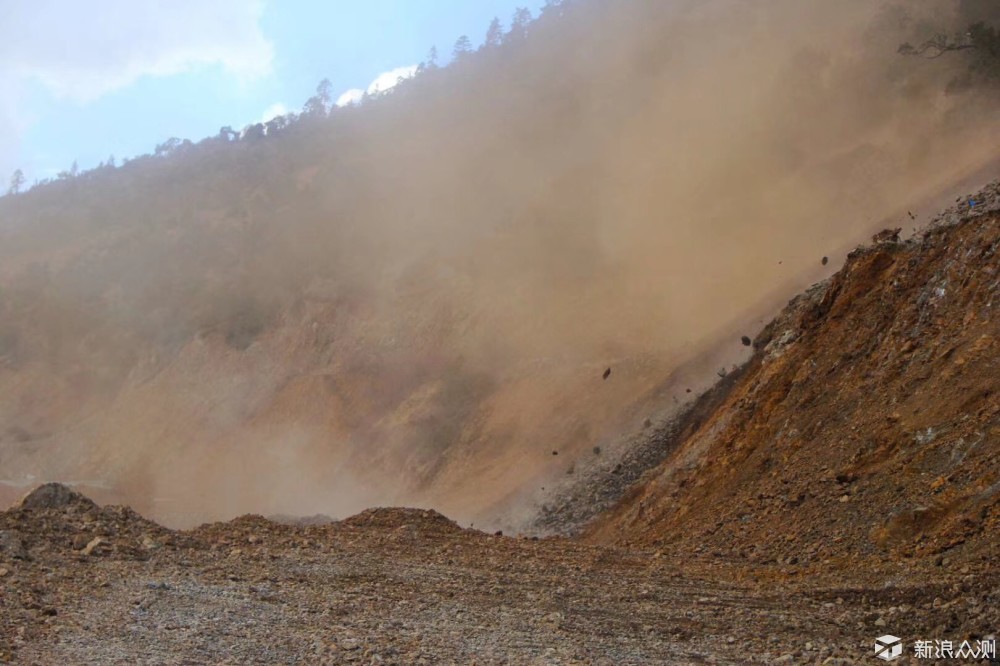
(388, 519)
(54, 520)
(315, 519)
(866, 424)
(54, 496)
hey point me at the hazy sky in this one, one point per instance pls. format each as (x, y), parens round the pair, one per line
(81, 81)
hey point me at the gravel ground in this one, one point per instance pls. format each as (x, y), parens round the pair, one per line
(398, 586)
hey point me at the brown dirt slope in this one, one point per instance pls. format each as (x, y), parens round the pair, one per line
(846, 486)
(867, 424)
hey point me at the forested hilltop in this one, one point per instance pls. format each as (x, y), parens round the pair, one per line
(413, 298)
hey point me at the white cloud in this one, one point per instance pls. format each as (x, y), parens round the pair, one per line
(383, 82)
(274, 111)
(350, 96)
(387, 80)
(82, 51)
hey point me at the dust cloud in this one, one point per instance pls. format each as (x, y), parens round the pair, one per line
(413, 300)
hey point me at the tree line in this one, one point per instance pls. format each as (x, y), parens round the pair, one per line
(978, 41)
(321, 103)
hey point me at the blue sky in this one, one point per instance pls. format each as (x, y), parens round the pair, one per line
(82, 81)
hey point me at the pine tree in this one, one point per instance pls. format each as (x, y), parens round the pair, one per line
(494, 35)
(463, 46)
(519, 25)
(319, 104)
(16, 182)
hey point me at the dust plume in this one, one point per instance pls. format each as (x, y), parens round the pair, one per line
(413, 300)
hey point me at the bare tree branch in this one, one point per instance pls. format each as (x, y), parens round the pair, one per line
(934, 48)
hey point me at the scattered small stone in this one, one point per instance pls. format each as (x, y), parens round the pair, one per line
(94, 544)
(11, 545)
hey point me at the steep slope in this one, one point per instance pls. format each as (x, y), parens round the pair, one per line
(841, 486)
(413, 300)
(866, 425)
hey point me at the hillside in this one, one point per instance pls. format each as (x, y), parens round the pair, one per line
(841, 486)
(413, 300)
(866, 425)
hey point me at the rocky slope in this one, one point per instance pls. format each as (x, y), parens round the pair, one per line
(841, 486)
(866, 425)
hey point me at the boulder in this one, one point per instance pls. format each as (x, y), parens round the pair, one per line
(53, 496)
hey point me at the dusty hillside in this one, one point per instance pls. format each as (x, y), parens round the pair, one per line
(866, 425)
(841, 486)
(414, 300)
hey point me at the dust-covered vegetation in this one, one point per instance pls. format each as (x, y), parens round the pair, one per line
(973, 30)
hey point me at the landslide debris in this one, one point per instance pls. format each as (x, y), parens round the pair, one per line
(840, 486)
(865, 427)
(408, 586)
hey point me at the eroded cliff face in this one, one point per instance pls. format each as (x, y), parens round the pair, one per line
(867, 423)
